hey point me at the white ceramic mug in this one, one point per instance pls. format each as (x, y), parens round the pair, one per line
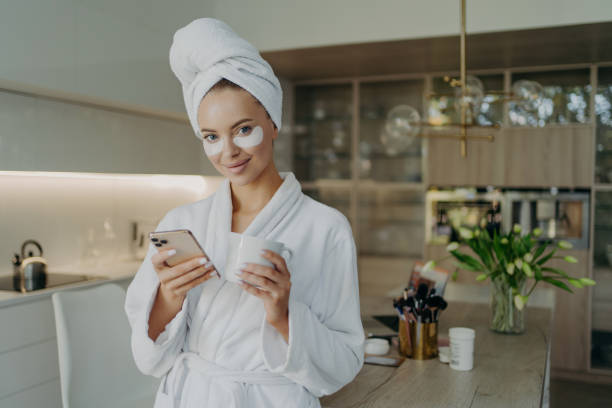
(247, 249)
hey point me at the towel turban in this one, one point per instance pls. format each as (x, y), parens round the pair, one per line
(207, 50)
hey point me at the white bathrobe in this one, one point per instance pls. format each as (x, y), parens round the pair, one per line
(219, 351)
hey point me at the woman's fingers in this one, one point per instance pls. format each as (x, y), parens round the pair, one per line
(258, 280)
(182, 290)
(184, 276)
(277, 260)
(158, 259)
(187, 277)
(263, 270)
(260, 293)
(167, 274)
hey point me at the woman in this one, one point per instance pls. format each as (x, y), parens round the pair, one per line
(216, 343)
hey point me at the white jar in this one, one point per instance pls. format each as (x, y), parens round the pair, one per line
(461, 348)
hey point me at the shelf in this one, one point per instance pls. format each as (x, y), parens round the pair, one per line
(377, 185)
(321, 156)
(311, 119)
(327, 184)
(605, 187)
(385, 156)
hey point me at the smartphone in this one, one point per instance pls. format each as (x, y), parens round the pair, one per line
(186, 245)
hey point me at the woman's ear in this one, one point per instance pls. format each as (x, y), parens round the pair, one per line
(274, 131)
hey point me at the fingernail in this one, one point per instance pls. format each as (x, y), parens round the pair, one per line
(240, 273)
(263, 252)
(208, 264)
(172, 252)
(203, 261)
(242, 265)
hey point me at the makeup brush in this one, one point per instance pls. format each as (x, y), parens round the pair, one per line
(420, 297)
(440, 304)
(433, 304)
(422, 291)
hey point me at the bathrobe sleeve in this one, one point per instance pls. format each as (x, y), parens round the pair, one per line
(326, 339)
(153, 357)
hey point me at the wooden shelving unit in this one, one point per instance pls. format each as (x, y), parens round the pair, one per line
(556, 155)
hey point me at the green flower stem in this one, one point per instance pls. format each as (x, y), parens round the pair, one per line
(505, 317)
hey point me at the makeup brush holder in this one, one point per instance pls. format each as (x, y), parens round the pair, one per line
(418, 340)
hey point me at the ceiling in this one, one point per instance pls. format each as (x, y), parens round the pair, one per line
(575, 44)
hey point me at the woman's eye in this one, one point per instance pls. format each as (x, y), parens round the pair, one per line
(207, 137)
(245, 127)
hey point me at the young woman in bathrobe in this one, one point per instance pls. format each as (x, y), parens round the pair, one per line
(219, 344)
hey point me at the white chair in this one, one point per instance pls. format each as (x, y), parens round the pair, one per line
(97, 368)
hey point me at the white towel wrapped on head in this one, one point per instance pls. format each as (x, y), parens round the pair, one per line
(207, 50)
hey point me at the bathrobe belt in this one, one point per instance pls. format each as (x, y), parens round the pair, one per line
(210, 369)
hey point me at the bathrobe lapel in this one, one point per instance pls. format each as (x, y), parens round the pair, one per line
(286, 198)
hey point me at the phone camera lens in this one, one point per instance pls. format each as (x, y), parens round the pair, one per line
(157, 244)
(164, 241)
(154, 239)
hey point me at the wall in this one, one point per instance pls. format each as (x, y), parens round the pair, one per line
(46, 135)
(84, 219)
(118, 50)
(112, 49)
(280, 24)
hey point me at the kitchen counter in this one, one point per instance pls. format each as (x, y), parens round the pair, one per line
(114, 272)
(509, 370)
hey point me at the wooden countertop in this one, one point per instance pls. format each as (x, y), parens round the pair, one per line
(509, 370)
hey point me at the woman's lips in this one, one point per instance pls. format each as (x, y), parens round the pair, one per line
(239, 168)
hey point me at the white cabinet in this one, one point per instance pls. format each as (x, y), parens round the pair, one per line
(38, 134)
(28, 354)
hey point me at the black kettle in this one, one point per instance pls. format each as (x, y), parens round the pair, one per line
(29, 272)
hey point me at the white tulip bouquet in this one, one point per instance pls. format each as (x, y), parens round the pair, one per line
(510, 260)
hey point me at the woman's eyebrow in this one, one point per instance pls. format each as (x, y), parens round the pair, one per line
(233, 126)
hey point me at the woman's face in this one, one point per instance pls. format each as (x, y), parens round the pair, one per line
(236, 130)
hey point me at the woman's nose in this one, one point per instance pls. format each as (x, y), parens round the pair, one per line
(229, 147)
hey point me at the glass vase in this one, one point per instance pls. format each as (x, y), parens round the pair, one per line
(505, 316)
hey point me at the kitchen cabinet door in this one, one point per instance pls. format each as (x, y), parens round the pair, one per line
(383, 157)
(323, 132)
(39, 134)
(518, 157)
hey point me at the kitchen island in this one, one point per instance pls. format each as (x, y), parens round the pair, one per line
(509, 370)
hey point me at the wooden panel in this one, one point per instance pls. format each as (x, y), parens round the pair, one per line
(602, 299)
(27, 367)
(518, 157)
(45, 395)
(570, 349)
(584, 43)
(26, 324)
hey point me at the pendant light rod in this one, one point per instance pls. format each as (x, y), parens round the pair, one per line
(463, 93)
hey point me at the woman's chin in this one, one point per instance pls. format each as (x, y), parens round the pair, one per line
(242, 178)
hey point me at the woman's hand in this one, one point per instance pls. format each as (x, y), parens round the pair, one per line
(176, 281)
(275, 286)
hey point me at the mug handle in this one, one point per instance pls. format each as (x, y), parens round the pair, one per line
(289, 253)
